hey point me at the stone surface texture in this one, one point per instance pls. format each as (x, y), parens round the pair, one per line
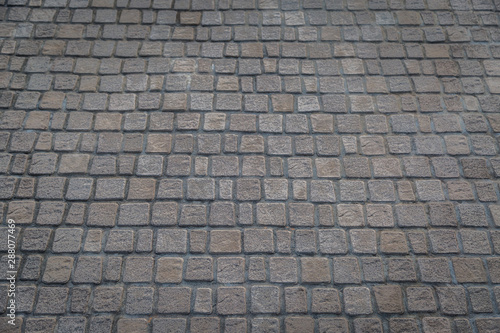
(251, 166)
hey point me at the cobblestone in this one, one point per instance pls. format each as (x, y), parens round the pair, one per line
(217, 165)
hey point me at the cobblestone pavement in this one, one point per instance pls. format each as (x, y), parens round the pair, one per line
(251, 166)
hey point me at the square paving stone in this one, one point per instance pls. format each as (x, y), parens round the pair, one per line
(110, 188)
(225, 241)
(367, 325)
(472, 215)
(199, 269)
(283, 270)
(169, 270)
(102, 214)
(325, 300)
(350, 215)
(352, 190)
(315, 270)
(222, 214)
(174, 324)
(201, 189)
(363, 241)
(436, 324)
(58, 270)
(193, 215)
(41, 324)
(134, 214)
(205, 324)
(265, 299)
(271, 214)
(52, 300)
(332, 241)
(36, 239)
(139, 300)
(138, 269)
(50, 213)
(379, 215)
(411, 215)
(301, 214)
(401, 269)
(73, 324)
(21, 211)
(132, 325)
(299, 324)
(336, 324)
(88, 270)
(203, 300)
(174, 300)
(230, 270)
(79, 189)
(26, 298)
(346, 270)
(50, 188)
(107, 299)
(67, 240)
(231, 300)
(295, 299)
(434, 270)
(389, 298)
(258, 240)
(171, 241)
(452, 299)
(357, 300)
(469, 270)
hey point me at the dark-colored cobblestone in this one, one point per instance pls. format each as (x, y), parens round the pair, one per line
(251, 165)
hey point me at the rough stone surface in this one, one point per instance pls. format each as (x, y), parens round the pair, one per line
(250, 165)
